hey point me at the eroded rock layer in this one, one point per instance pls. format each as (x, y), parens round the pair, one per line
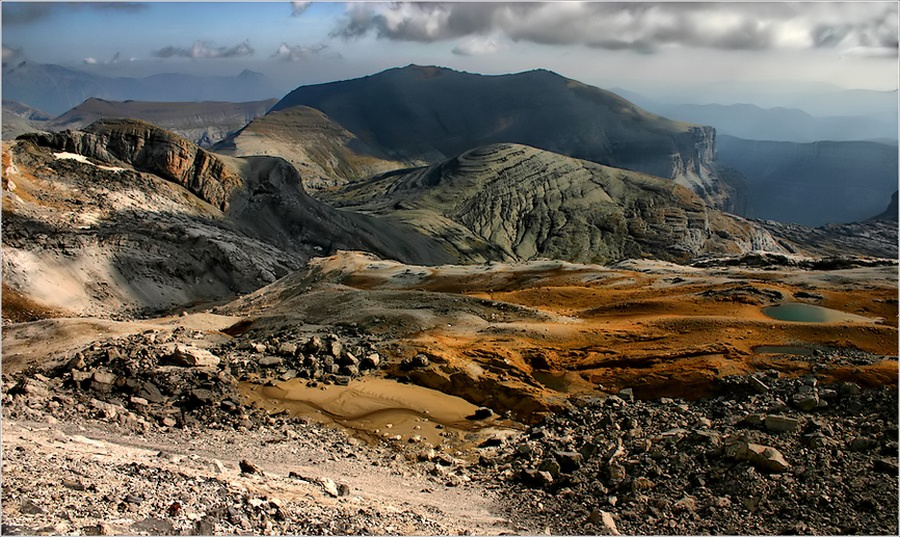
(510, 201)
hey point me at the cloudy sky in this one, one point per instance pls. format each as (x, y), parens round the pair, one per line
(648, 47)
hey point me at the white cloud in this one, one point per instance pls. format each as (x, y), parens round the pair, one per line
(116, 59)
(479, 46)
(300, 53)
(11, 54)
(203, 50)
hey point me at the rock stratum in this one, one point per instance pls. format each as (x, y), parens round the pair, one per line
(433, 113)
(515, 202)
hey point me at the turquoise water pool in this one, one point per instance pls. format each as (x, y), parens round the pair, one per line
(808, 313)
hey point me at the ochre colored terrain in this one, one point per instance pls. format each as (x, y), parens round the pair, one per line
(656, 332)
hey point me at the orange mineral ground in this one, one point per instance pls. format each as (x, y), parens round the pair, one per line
(524, 337)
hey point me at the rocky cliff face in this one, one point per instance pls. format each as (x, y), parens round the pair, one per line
(509, 201)
(151, 149)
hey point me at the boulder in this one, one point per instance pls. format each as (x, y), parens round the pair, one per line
(806, 401)
(348, 358)
(190, 356)
(32, 387)
(315, 345)
(569, 461)
(758, 385)
(604, 520)
(482, 413)
(781, 424)
(248, 467)
(886, 466)
(371, 361)
(761, 457)
(271, 361)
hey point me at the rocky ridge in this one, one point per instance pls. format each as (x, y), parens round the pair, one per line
(514, 202)
(152, 149)
(325, 154)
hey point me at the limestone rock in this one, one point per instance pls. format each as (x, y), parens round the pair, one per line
(189, 356)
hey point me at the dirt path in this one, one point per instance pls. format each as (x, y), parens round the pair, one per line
(78, 477)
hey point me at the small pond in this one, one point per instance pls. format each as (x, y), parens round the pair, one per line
(807, 313)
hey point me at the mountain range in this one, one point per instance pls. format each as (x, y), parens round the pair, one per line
(56, 89)
(781, 124)
(204, 123)
(432, 113)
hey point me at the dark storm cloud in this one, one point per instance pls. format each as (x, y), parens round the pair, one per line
(642, 27)
(17, 13)
(203, 50)
(424, 22)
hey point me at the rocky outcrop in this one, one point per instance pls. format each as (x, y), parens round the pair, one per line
(515, 202)
(889, 214)
(432, 113)
(324, 153)
(149, 148)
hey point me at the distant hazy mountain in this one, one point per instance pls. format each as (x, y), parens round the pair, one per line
(15, 108)
(19, 118)
(814, 183)
(516, 202)
(817, 99)
(780, 124)
(204, 123)
(56, 89)
(433, 113)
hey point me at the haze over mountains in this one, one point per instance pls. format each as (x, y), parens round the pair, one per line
(204, 123)
(813, 183)
(56, 89)
(782, 124)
